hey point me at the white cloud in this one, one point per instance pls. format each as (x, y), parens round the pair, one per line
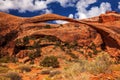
(67, 3)
(80, 5)
(70, 16)
(118, 5)
(83, 4)
(80, 15)
(60, 22)
(81, 8)
(94, 11)
(28, 5)
(22, 5)
(63, 22)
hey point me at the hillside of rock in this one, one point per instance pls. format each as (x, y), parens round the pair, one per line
(33, 48)
(104, 32)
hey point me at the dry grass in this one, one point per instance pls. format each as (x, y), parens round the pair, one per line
(4, 69)
(78, 70)
(115, 67)
(25, 68)
(4, 78)
(13, 76)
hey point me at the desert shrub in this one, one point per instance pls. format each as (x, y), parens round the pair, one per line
(22, 42)
(67, 47)
(90, 54)
(4, 78)
(58, 43)
(71, 72)
(13, 76)
(32, 62)
(36, 44)
(50, 61)
(61, 24)
(2, 53)
(18, 42)
(47, 26)
(46, 71)
(25, 68)
(31, 56)
(26, 40)
(34, 54)
(71, 54)
(115, 67)
(50, 72)
(54, 73)
(72, 45)
(4, 69)
(85, 76)
(93, 48)
(48, 78)
(99, 65)
(117, 61)
(6, 59)
(37, 53)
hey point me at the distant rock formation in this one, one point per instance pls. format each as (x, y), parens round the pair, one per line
(104, 33)
(109, 17)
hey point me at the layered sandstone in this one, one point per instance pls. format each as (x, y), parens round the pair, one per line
(100, 32)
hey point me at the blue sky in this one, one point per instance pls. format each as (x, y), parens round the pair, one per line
(78, 9)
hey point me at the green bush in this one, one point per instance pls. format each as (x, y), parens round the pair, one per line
(50, 61)
(18, 42)
(47, 26)
(4, 69)
(4, 59)
(61, 24)
(22, 42)
(4, 78)
(26, 40)
(25, 69)
(32, 62)
(71, 54)
(7, 59)
(13, 76)
(35, 54)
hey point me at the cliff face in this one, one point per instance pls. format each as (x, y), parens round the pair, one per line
(104, 32)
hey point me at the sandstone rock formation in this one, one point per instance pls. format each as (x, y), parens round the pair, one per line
(104, 33)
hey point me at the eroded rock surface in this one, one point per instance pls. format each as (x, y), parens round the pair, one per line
(104, 32)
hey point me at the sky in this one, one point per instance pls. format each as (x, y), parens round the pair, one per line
(77, 9)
